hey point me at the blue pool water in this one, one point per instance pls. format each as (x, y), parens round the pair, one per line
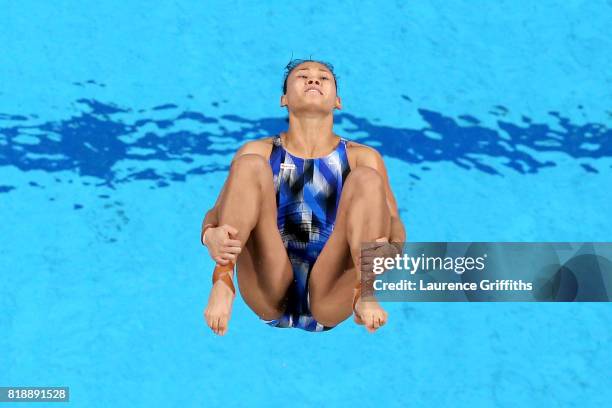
(117, 123)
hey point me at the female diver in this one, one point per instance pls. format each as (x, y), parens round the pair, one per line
(293, 213)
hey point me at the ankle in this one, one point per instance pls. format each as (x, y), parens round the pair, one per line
(224, 273)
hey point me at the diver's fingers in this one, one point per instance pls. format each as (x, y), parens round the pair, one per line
(228, 257)
(371, 247)
(221, 261)
(231, 230)
(366, 259)
(232, 242)
(231, 249)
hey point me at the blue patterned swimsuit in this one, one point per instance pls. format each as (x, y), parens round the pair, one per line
(307, 196)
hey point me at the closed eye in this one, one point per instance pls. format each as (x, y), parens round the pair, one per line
(304, 76)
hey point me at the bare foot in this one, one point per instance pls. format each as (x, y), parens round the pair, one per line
(370, 314)
(219, 309)
(367, 311)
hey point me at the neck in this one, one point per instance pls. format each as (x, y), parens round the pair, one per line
(310, 137)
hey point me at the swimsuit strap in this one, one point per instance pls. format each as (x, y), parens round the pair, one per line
(277, 143)
(278, 153)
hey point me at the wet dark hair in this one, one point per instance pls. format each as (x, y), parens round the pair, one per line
(293, 63)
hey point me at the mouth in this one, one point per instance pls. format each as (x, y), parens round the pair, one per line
(313, 90)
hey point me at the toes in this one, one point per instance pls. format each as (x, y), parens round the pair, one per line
(384, 318)
(212, 324)
(216, 325)
(222, 326)
(375, 320)
(370, 325)
(208, 319)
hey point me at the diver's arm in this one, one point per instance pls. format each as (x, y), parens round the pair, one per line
(211, 218)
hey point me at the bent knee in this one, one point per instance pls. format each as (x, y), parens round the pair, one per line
(250, 164)
(364, 178)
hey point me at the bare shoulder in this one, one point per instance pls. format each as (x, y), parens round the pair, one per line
(363, 155)
(261, 147)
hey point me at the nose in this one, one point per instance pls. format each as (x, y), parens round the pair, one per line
(310, 81)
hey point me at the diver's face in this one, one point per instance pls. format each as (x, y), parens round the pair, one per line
(311, 88)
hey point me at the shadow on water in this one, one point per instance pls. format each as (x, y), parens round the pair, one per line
(116, 145)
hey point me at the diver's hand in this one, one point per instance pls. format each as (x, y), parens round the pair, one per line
(381, 248)
(222, 245)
